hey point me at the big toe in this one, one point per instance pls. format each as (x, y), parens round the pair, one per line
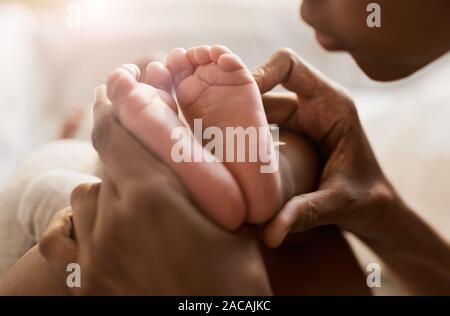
(230, 62)
(225, 59)
(179, 65)
(128, 96)
(122, 81)
(159, 77)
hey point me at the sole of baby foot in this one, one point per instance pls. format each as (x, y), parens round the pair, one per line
(213, 85)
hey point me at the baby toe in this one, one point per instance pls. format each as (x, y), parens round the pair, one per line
(179, 65)
(217, 51)
(199, 55)
(159, 76)
(122, 81)
(230, 62)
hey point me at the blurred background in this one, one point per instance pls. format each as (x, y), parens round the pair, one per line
(53, 54)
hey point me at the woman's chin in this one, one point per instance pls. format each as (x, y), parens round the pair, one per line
(382, 71)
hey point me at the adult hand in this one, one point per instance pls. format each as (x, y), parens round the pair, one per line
(353, 190)
(138, 232)
(58, 244)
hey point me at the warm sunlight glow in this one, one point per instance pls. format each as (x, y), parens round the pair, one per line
(96, 8)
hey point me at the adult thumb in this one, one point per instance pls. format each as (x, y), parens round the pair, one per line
(289, 70)
(301, 213)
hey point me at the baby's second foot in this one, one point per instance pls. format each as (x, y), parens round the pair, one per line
(212, 84)
(149, 112)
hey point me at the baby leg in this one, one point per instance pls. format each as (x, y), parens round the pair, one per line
(35, 192)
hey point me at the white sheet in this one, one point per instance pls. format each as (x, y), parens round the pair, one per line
(18, 94)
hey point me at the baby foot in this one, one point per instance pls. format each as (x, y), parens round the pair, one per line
(214, 85)
(149, 112)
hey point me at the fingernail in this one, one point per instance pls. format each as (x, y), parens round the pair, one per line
(100, 93)
(282, 236)
(273, 242)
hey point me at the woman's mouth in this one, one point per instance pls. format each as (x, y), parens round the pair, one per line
(328, 42)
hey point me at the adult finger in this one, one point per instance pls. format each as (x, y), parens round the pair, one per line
(84, 205)
(281, 109)
(57, 244)
(287, 69)
(303, 213)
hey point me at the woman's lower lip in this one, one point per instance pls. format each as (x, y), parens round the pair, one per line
(328, 42)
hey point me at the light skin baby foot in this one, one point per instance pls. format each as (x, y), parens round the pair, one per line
(149, 112)
(212, 84)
